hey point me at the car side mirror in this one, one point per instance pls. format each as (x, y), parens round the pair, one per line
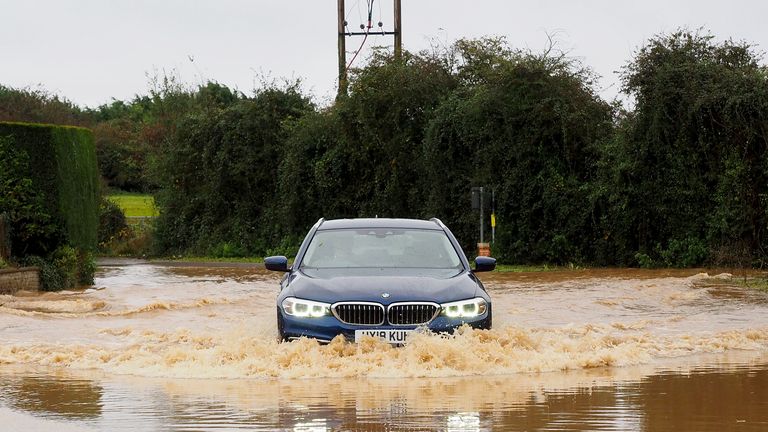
(276, 263)
(484, 264)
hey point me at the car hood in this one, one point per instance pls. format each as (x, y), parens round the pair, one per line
(334, 285)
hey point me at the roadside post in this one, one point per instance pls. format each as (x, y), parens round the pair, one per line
(483, 248)
(493, 216)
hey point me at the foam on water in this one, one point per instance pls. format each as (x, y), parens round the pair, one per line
(79, 308)
(238, 353)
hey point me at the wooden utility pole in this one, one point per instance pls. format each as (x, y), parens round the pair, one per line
(343, 33)
(342, 50)
(398, 31)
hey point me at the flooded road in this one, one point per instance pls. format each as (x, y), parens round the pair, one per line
(189, 348)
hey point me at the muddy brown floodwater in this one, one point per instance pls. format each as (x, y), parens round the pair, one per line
(191, 348)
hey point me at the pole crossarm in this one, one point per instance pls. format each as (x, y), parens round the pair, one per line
(373, 33)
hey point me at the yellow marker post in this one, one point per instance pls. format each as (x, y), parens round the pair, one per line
(493, 228)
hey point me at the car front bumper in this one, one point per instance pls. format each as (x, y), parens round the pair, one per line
(328, 327)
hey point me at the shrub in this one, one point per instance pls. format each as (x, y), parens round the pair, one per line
(22, 207)
(63, 269)
(688, 252)
(48, 189)
(133, 241)
(65, 261)
(50, 278)
(228, 250)
(219, 176)
(117, 237)
(38, 105)
(686, 171)
(644, 261)
(527, 126)
(111, 222)
(60, 183)
(86, 268)
(288, 246)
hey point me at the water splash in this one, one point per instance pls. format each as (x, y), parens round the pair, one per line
(188, 326)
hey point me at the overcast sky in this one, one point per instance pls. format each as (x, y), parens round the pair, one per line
(91, 51)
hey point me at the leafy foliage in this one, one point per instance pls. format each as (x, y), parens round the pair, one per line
(680, 179)
(64, 268)
(48, 190)
(526, 126)
(111, 221)
(38, 106)
(29, 220)
(219, 173)
(687, 169)
(363, 156)
(416, 133)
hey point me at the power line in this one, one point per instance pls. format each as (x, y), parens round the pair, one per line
(343, 33)
(357, 52)
(367, 32)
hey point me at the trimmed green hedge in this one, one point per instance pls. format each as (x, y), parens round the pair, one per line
(63, 171)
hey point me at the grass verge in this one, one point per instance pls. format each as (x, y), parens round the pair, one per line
(756, 283)
(135, 205)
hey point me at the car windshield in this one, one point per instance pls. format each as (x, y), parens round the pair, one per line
(381, 247)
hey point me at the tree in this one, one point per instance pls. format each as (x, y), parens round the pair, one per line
(687, 172)
(527, 126)
(218, 174)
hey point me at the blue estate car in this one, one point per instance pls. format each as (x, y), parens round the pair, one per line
(379, 277)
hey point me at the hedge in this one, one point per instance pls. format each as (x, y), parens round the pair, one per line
(62, 171)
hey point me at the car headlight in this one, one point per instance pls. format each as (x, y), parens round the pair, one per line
(465, 308)
(305, 308)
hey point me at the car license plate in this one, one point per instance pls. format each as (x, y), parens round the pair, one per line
(389, 336)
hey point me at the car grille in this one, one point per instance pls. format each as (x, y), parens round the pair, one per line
(411, 313)
(360, 313)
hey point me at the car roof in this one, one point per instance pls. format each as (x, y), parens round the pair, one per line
(379, 223)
